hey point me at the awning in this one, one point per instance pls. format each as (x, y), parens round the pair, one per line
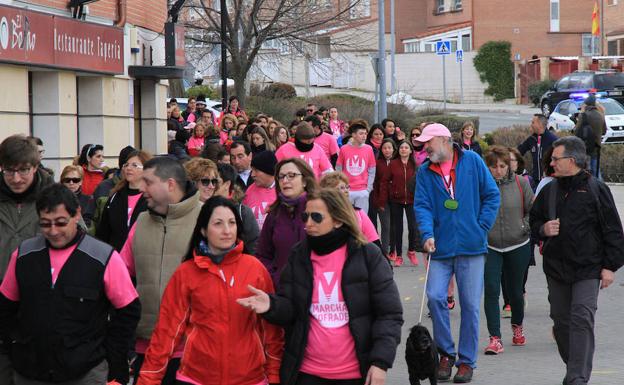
(156, 72)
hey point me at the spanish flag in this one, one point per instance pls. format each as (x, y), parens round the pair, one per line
(595, 21)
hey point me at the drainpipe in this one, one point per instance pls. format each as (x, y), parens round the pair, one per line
(122, 12)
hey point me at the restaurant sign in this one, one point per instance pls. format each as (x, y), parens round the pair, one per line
(35, 38)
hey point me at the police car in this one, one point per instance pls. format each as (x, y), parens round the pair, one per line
(564, 116)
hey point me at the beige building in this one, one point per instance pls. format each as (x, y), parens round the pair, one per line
(73, 81)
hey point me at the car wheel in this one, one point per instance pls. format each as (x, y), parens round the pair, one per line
(546, 109)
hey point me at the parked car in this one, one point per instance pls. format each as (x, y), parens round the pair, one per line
(565, 114)
(610, 84)
(212, 105)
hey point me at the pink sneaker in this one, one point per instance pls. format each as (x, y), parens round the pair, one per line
(518, 335)
(412, 257)
(399, 261)
(495, 346)
(392, 256)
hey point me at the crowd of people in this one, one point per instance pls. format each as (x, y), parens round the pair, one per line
(259, 253)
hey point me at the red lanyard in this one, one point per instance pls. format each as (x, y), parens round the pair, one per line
(448, 185)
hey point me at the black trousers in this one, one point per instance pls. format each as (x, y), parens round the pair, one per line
(170, 375)
(308, 379)
(396, 217)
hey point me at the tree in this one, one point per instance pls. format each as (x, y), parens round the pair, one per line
(252, 23)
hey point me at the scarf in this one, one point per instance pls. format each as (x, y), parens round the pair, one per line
(204, 250)
(28, 195)
(258, 149)
(291, 202)
(303, 147)
(376, 143)
(327, 243)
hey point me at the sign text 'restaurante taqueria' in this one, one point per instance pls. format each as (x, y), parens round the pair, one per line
(85, 45)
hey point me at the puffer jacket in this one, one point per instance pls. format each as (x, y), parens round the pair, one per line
(226, 344)
(512, 222)
(18, 216)
(371, 296)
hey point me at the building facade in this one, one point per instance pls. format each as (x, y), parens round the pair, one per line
(72, 81)
(613, 27)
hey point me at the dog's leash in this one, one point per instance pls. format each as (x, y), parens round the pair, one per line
(422, 302)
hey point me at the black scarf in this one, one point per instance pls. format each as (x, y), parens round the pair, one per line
(327, 243)
(258, 149)
(303, 147)
(27, 195)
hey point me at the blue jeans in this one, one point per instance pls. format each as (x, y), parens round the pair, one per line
(594, 167)
(469, 273)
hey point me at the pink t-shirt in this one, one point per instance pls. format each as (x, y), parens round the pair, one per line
(328, 144)
(355, 163)
(337, 128)
(195, 145)
(316, 157)
(117, 284)
(259, 199)
(446, 170)
(330, 352)
(132, 202)
(368, 229)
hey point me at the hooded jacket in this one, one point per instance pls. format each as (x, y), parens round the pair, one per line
(114, 224)
(200, 302)
(512, 222)
(18, 216)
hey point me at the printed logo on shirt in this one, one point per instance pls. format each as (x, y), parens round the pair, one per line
(356, 165)
(309, 161)
(329, 309)
(260, 213)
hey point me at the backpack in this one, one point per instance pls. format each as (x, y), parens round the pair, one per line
(586, 134)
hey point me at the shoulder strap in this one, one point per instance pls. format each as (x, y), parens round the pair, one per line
(592, 183)
(552, 199)
(521, 196)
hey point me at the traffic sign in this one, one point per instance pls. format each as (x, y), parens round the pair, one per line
(459, 55)
(443, 47)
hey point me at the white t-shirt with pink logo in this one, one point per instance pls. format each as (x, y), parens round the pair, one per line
(315, 158)
(330, 352)
(355, 162)
(259, 199)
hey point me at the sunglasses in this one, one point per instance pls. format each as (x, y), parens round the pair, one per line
(316, 217)
(48, 225)
(71, 180)
(207, 182)
(310, 110)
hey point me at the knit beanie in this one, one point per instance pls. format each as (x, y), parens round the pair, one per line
(264, 161)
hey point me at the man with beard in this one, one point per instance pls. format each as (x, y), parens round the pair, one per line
(456, 204)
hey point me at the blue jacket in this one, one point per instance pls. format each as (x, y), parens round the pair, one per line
(462, 231)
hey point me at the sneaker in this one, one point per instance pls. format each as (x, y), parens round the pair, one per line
(444, 370)
(494, 347)
(506, 312)
(518, 335)
(392, 256)
(412, 257)
(399, 261)
(451, 302)
(463, 375)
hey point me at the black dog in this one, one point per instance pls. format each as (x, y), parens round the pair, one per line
(421, 355)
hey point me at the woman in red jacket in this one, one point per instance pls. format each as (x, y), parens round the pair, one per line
(225, 343)
(92, 161)
(401, 198)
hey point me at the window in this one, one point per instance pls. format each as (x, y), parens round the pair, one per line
(612, 2)
(466, 43)
(410, 47)
(612, 48)
(562, 84)
(457, 5)
(564, 108)
(554, 15)
(590, 44)
(439, 6)
(359, 9)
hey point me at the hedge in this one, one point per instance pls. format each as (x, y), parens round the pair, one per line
(494, 65)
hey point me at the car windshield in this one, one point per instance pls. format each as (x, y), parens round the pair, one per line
(612, 107)
(609, 81)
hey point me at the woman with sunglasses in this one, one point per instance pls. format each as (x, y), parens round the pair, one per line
(125, 203)
(420, 154)
(283, 226)
(91, 160)
(228, 188)
(204, 174)
(338, 302)
(71, 177)
(225, 344)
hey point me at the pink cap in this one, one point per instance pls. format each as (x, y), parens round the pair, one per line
(433, 130)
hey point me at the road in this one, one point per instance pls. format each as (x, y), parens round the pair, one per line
(489, 121)
(538, 362)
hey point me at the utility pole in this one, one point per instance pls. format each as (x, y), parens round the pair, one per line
(393, 82)
(383, 106)
(224, 73)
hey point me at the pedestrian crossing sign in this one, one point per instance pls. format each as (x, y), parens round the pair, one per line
(443, 47)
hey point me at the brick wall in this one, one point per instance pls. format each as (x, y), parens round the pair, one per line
(527, 25)
(410, 19)
(450, 17)
(150, 14)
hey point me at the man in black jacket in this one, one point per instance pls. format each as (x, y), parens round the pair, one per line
(593, 117)
(538, 143)
(576, 218)
(57, 299)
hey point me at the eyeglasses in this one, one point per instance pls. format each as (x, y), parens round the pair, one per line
(288, 176)
(24, 171)
(207, 182)
(136, 166)
(316, 217)
(344, 187)
(48, 225)
(558, 158)
(71, 180)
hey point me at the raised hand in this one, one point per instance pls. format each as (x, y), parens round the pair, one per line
(259, 302)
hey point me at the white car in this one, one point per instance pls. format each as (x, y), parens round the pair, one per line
(213, 105)
(564, 115)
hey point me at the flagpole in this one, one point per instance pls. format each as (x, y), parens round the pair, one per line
(601, 27)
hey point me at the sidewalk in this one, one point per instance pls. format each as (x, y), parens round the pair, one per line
(423, 104)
